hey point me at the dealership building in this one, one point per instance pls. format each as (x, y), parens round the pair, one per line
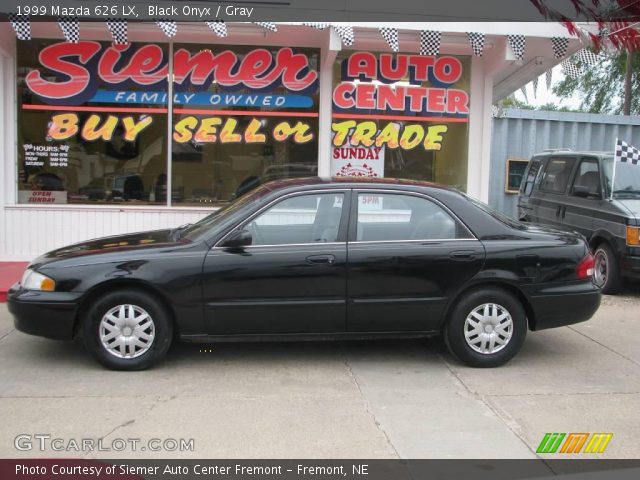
(101, 138)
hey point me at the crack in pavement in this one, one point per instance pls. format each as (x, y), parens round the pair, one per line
(367, 406)
(7, 334)
(603, 345)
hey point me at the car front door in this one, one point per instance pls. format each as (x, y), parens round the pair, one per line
(408, 254)
(584, 199)
(292, 276)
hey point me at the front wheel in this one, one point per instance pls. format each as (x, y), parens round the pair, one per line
(607, 271)
(127, 330)
(486, 328)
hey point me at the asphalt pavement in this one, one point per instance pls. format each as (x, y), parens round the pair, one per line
(370, 399)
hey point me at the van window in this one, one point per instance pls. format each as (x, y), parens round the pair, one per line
(587, 181)
(530, 177)
(556, 174)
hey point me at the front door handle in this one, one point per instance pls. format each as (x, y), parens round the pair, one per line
(462, 255)
(321, 259)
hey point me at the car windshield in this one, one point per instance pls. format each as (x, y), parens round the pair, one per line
(195, 230)
(626, 179)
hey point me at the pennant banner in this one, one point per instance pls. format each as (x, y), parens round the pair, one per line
(430, 42)
(118, 29)
(391, 37)
(570, 69)
(523, 89)
(70, 27)
(169, 28)
(560, 46)
(345, 34)
(587, 57)
(21, 25)
(267, 26)
(534, 82)
(477, 42)
(317, 25)
(548, 77)
(517, 44)
(218, 27)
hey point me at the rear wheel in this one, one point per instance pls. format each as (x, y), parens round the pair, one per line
(486, 328)
(607, 271)
(127, 330)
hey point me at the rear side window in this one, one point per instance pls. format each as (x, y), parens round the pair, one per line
(556, 174)
(530, 177)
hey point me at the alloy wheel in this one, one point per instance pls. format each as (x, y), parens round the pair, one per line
(601, 268)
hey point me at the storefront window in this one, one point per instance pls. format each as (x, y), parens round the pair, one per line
(92, 122)
(401, 115)
(242, 115)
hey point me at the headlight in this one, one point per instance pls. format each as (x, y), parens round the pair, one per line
(32, 280)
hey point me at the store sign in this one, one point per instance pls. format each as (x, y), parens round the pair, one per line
(384, 101)
(349, 161)
(41, 197)
(81, 69)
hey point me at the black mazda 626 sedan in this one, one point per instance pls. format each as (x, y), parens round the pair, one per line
(309, 259)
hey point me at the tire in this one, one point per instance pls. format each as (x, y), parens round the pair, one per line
(468, 310)
(135, 327)
(607, 270)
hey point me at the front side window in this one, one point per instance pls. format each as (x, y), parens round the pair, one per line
(313, 218)
(393, 217)
(587, 181)
(556, 175)
(626, 181)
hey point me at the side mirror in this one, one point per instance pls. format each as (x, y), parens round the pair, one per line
(238, 239)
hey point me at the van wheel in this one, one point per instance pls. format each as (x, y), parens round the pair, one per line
(486, 328)
(607, 271)
(127, 330)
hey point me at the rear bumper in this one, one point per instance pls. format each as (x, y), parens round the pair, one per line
(45, 314)
(556, 306)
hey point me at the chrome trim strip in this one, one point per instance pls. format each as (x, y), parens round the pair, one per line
(439, 240)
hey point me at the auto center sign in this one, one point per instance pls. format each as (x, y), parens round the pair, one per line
(133, 78)
(417, 94)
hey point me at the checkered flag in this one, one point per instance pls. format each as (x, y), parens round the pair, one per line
(267, 26)
(560, 46)
(345, 34)
(430, 42)
(626, 153)
(118, 29)
(168, 27)
(477, 42)
(21, 25)
(316, 25)
(391, 37)
(517, 44)
(218, 27)
(70, 27)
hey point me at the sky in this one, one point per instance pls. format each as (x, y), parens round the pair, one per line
(544, 96)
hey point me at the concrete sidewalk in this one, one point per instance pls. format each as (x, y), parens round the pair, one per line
(380, 399)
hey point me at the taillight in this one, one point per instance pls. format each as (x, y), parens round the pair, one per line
(585, 267)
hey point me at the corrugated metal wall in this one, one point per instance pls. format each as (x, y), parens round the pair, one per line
(521, 133)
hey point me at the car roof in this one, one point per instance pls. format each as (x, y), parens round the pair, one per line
(569, 153)
(352, 182)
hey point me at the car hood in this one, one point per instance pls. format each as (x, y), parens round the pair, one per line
(630, 204)
(115, 244)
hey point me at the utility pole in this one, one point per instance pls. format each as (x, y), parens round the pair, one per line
(627, 83)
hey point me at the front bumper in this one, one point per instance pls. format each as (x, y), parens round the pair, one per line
(46, 314)
(630, 266)
(556, 306)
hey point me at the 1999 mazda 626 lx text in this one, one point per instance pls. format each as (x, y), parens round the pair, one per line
(315, 258)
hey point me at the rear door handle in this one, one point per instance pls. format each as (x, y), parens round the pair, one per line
(462, 255)
(320, 259)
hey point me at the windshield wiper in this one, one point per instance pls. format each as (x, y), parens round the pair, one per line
(628, 191)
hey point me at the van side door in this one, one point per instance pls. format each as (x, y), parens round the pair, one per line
(552, 189)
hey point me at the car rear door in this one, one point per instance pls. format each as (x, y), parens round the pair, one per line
(408, 254)
(291, 279)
